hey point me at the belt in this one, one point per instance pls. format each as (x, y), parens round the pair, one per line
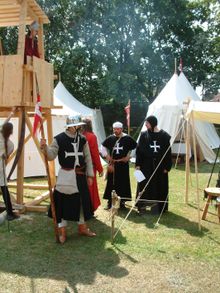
(78, 170)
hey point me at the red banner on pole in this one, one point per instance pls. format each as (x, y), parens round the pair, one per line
(128, 111)
(37, 114)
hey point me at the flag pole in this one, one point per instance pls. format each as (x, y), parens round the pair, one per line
(50, 187)
(53, 211)
(129, 117)
(128, 112)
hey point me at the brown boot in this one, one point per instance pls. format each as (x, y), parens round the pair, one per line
(85, 231)
(62, 234)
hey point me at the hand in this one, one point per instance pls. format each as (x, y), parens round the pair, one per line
(43, 143)
(137, 168)
(125, 159)
(89, 181)
(109, 159)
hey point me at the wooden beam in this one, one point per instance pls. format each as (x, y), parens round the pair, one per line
(38, 199)
(42, 209)
(29, 186)
(50, 139)
(20, 166)
(41, 40)
(22, 25)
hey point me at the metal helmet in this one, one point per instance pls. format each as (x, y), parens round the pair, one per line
(75, 120)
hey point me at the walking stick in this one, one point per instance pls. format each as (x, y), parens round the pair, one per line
(4, 189)
(114, 210)
(50, 188)
(48, 173)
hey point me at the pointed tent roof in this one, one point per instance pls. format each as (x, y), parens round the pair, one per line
(170, 106)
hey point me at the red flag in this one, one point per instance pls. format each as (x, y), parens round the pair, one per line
(127, 110)
(37, 114)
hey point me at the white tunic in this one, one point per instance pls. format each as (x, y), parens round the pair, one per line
(66, 180)
(3, 178)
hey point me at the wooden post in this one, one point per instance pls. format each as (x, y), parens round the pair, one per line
(50, 138)
(187, 141)
(114, 210)
(41, 40)
(20, 166)
(53, 211)
(196, 171)
(22, 25)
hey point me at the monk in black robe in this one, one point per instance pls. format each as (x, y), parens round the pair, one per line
(116, 150)
(154, 153)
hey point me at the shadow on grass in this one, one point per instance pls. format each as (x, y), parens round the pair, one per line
(30, 250)
(203, 167)
(168, 219)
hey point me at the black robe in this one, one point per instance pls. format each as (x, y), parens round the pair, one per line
(68, 206)
(119, 180)
(150, 150)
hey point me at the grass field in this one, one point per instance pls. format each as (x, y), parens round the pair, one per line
(173, 256)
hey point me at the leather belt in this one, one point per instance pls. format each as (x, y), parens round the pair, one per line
(78, 170)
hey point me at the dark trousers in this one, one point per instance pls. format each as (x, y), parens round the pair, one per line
(7, 199)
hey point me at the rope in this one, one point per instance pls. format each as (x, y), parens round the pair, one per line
(141, 192)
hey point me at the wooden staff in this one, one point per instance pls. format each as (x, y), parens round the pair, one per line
(114, 209)
(196, 171)
(48, 175)
(50, 188)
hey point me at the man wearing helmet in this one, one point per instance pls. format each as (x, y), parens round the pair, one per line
(71, 194)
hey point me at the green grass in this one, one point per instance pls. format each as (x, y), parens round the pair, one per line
(171, 257)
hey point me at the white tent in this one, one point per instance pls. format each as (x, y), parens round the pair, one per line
(205, 111)
(71, 106)
(170, 106)
(34, 165)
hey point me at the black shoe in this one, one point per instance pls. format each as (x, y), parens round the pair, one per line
(155, 209)
(141, 210)
(12, 217)
(122, 206)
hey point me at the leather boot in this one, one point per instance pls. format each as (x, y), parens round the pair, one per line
(62, 234)
(85, 231)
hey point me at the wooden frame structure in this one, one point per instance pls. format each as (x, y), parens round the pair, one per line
(18, 85)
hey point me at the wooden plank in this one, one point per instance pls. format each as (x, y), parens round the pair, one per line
(21, 33)
(41, 40)
(11, 95)
(2, 62)
(42, 209)
(39, 199)
(44, 69)
(50, 139)
(20, 167)
(29, 186)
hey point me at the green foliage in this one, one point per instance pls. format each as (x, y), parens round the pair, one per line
(113, 50)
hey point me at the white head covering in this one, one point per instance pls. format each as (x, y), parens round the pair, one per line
(117, 125)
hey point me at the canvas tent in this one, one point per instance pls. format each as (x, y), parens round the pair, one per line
(205, 111)
(170, 106)
(34, 165)
(202, 111)
(71, 106)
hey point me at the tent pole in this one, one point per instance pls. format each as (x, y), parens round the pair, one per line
(196, 171)
(187, 163)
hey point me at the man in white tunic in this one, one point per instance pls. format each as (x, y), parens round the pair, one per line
(6, 148)
(71, 193)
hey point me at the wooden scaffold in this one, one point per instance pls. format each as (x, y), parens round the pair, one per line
(18, 90)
